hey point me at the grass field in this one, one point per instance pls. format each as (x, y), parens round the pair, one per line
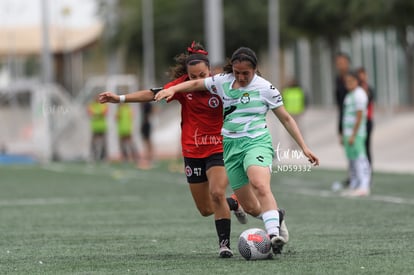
(114, 219)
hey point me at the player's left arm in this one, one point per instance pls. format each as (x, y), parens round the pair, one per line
(291, 126)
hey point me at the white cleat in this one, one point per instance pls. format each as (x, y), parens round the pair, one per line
(277, 243)
(283, 231)
(239, 213)
(225, 252)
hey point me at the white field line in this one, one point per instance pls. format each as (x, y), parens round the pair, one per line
(330, 194)
(54, 201)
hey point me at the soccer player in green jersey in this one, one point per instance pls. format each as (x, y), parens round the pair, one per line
(354, 133)
(248, 150)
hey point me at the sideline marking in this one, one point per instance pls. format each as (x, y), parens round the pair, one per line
(330, 194)
(49, 201)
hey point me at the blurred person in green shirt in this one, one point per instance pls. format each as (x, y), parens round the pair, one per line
(97, 114)
(294, 100)
(124, 118)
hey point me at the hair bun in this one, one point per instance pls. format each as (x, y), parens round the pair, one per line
(196, 48)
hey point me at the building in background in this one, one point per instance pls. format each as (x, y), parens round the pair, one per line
(73, 27)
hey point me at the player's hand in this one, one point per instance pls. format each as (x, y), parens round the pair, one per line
(311, 157)
(351, 140)
(106, 97)
(164, 94)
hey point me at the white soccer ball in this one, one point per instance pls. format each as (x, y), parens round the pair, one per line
(254, 244)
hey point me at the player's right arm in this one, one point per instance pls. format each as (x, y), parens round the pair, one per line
(138, 96)
(187, 86)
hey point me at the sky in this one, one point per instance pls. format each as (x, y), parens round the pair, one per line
(80, 13)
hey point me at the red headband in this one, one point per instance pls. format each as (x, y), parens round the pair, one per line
(199, 51)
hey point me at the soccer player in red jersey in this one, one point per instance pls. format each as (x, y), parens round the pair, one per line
(201, 140)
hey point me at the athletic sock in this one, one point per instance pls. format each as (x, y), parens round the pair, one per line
(223, 231)
(233, 204)
(363, 172)
(271, 222)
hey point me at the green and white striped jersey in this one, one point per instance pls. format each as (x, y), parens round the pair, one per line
(356, 100)
(244, 108)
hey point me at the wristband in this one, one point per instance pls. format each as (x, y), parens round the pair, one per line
(122, 98)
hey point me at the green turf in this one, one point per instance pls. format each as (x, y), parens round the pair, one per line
(114, 219)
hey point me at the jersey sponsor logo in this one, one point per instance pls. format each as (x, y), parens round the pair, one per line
(214, 89)
(206, 139)
(260, 158)
(213, 102)
(189, 96)
(188, 171)
(245, 98)
(278, 98)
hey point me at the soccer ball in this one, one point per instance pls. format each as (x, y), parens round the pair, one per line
(255, 244)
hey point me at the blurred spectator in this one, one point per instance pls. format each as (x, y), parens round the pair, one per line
(97, 114)
(147, 158)
(124, 118)
(354, 135)
(342, 64)
(294, 100)
(363, 80)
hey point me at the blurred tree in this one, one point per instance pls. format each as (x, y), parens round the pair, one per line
(245, 23)
(329, 19)
(177, 23)
(400, 15)
(332, 20)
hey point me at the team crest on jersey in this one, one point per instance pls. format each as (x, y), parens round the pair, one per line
(245, 98)
(213, 102)
(189, 96)
(188, 171)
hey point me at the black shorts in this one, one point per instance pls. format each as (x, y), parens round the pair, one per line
(195, 168)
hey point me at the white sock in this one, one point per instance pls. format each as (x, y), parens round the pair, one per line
(363, 171)
(353, 178)
(271, 222)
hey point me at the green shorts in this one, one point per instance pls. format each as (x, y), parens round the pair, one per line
(240, 153)
(355, 150)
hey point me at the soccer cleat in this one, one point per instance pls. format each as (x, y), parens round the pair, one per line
(225, 252)
(239, 213)
(277, 243)
(283, 231)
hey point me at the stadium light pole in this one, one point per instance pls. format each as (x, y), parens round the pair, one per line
(47, 63)
(213, 30)
(41, 97)
(274, 46)
(148, 43)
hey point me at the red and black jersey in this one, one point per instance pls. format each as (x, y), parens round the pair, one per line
(201, 121)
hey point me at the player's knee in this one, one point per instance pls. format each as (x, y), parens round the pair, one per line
(205, 211)
(218, 195)
(261, 188)
(253, 210)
